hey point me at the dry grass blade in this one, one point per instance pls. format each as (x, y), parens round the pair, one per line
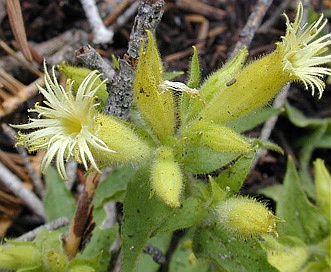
(19, 92)
(201, 8)
(14, 12)
(118, 11)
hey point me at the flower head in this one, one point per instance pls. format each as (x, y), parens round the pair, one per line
(69, 128)
(302, 51)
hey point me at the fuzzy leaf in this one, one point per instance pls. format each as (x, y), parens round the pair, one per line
(203, 160)
(192, 213)
(142, 216)
(229, 253)
(287, 254)
(232, 179)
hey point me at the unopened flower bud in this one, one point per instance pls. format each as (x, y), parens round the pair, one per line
(246, 217)
(166, 177)
(20, 256)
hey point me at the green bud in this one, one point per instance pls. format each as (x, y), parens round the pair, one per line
(78, 74)
(254, 86)
(217, 82)
(55, 261)
(216, 137)
(22, 255)
(246, 217)
(166, 177)
(82, 268)
(300, 56)
(127, 147)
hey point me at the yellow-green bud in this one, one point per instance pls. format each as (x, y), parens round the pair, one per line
(166, 177)
(246, 217)
(156, 105)
(82, 268)
(216, 137)
(253, 88)
(20, 255)
(55, 261)
(298, 57)
(218, 81)
(127, 146)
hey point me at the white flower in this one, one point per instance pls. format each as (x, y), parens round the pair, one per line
(302, 51)
(68, 128)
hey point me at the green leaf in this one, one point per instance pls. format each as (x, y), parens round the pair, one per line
(143, 214)
(195, 74)
(274, 192)
(203, 160)
(232, 179)
(303, 220)
(323, 188)
(193, 82)
(113, 188)
(230, 253)
(192, 213)
(250, 121)
(58, 200)
(184, 260)
(297, 118)
(100, 243)
(171, 75)
(49, 240)
(268, 145)
(308, 145)
(287, 254)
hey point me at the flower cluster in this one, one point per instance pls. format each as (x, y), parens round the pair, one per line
(186, 134)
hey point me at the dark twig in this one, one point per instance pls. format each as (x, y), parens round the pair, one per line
(247, 33)
(120, 89)
(56, 224)
(156, 254)
(90, 58)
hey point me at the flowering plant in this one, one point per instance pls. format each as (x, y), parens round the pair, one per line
(183, 130)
